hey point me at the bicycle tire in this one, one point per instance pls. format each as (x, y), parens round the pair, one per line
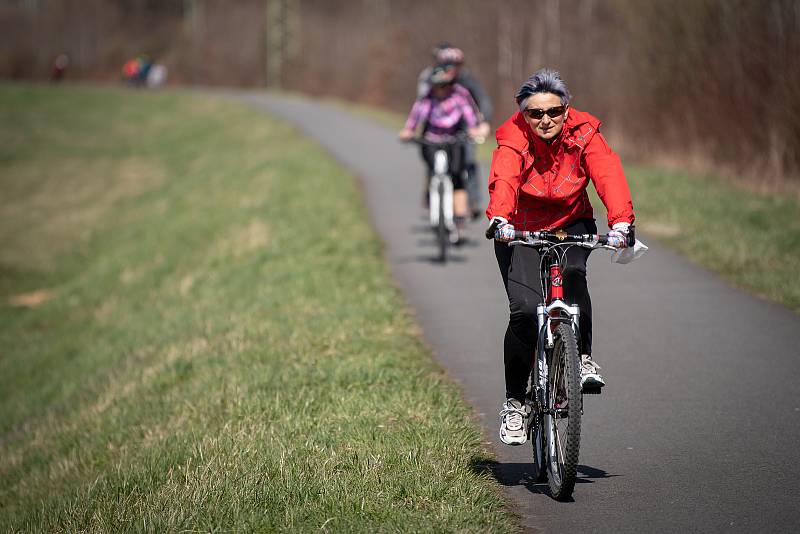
(442, 233)
(564, 384)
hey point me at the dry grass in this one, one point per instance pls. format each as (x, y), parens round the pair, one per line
(59, 207)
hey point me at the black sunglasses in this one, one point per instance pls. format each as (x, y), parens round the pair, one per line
(536, 113)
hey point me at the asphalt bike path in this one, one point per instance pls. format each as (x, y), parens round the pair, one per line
(698, 429)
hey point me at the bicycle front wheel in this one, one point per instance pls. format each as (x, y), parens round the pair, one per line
(442, 233)
(564, 407)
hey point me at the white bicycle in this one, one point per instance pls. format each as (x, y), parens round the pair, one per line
(440, 193)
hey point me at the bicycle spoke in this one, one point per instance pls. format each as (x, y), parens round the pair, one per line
(560, 448)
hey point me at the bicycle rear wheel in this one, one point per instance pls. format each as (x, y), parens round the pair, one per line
(442, 233)
(564, 404)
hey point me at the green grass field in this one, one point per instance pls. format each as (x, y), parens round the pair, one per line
(199, 333)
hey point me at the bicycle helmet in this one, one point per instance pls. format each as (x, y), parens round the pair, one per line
(442, 75)
(439, 47)
(450, 56)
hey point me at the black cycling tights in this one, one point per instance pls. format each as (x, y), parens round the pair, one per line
(519, 266)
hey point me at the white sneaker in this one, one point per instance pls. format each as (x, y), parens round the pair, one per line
(455, 236)
(514, 422)
(590, 377)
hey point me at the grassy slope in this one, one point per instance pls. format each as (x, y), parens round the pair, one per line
(752, 239)
(200, 363)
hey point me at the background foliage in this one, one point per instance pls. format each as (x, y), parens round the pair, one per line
(709, 84)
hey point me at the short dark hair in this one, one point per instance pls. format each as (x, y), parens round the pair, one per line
(543, 81)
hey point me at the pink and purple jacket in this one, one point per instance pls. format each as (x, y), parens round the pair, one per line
(443, 116)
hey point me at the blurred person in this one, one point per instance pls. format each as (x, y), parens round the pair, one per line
(445, 111)
(59, 69)
(157, 76)
(135, 71)
(130, 71)
(144, 64)
(423, 85)
(447, 55)
(546, 155)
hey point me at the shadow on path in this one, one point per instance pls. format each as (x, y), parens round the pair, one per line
(521, 474)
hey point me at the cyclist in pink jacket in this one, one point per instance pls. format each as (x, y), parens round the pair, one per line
(446, 111)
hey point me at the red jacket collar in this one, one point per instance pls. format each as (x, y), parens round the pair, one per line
(515, 132)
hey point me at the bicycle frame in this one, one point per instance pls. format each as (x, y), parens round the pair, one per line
(555, 309)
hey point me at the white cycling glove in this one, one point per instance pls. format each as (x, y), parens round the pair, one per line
(500, 230)
(626, 253)
(618, 236)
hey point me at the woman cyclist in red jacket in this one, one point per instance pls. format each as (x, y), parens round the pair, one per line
(546, 154)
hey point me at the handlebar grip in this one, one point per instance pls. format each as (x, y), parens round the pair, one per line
(492, 229)
(631, 235)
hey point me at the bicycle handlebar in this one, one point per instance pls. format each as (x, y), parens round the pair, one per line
(559, 238)
(565, 238)
(449, 140)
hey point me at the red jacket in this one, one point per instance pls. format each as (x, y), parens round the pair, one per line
(536, 185)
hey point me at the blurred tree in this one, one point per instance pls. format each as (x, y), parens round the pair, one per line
(707, 80)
